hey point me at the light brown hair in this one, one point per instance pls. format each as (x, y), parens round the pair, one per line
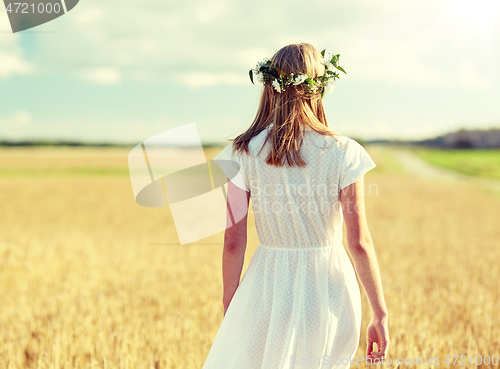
(289, 110)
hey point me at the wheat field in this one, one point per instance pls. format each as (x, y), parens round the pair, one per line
(89, 279)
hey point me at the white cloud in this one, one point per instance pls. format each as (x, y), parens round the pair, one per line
(208, 11)
(11, 55)
(12, 64)
(22, 118)
(196, 79)
(16, 125)
(470, 77)
(18, 118)
(105, 76)
(88, 16)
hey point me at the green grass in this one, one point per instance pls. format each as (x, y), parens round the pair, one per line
(480, 163)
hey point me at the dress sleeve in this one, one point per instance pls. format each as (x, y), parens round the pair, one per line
(235, 173)
(356, 163)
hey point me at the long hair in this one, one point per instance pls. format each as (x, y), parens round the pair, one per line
(289, 109)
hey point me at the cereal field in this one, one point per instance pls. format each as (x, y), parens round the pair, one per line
(89, 279)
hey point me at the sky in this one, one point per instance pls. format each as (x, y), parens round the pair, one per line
(123, 71)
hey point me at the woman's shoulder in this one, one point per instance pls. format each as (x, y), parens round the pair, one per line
(347, 141)
(353, 143)
(257, 141)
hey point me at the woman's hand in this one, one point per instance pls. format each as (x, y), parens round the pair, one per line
(365, 261)
(226, 303)
(378, 333)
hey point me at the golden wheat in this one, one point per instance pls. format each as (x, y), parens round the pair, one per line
(88, 278)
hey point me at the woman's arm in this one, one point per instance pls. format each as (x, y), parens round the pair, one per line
(361, 248)
(235, 241)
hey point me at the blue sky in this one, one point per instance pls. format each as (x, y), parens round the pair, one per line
(123, 71)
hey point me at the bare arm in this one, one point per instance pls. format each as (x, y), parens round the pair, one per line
(362, 251)
(235, 241)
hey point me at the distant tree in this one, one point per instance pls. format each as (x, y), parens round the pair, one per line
(463, 144)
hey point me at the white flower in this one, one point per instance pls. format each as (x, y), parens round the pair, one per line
(328, 58)
(299, 79)
(277, 86)
(259, 78)
(329, 86)
(330, 66)
(261, 63)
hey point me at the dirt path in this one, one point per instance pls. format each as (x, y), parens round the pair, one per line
(412, 163)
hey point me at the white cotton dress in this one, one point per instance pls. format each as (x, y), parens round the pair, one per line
(298, 304)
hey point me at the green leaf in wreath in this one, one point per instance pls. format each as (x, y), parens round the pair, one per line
(251, 75)
(340, 68)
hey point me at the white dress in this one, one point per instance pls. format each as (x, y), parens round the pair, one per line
(298, 304)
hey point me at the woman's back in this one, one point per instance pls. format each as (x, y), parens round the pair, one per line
(298, 207)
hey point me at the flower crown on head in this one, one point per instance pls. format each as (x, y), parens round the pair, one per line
(267, 73)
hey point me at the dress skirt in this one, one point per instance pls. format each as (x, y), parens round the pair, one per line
(294, 308)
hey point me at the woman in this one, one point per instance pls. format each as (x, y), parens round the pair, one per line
(298, 304)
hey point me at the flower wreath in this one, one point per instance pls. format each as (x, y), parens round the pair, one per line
(267, 73)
